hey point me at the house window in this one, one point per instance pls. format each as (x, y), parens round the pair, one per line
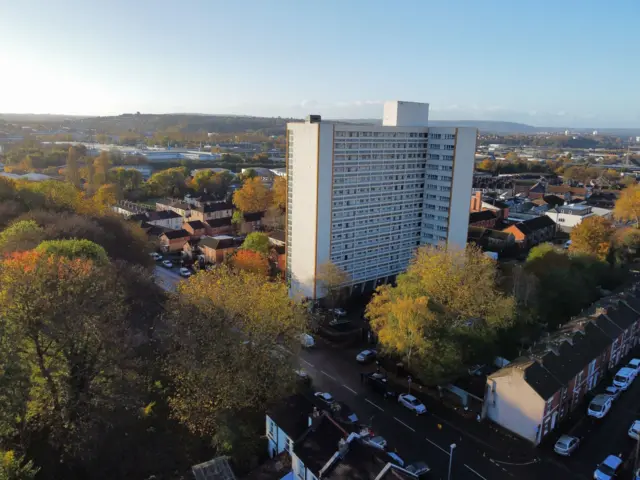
(272, 429)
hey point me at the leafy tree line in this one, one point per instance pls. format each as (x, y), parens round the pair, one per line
(97, 363)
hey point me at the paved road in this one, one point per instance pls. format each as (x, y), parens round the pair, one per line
(425, 437)
(167, 278)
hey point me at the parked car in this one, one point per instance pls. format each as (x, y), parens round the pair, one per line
(624, 378)
(608, 468)
(412, 403)
(307, 340)
(167, 264)
(634, 364)
(379, 384)
(343, 413)
(378, 442)
(613, 391)
(156, 256)
(637, 475)
(634, 430)
(325, 397)
(418, 468)
(600, 406)
(339, 312)
(366, 356)
(185, 272)
(302, 376)
(566, 445)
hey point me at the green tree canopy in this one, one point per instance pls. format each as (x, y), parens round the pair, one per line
(74, 248)
(258, 242)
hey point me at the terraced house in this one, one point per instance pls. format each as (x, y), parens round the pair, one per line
(535, 392)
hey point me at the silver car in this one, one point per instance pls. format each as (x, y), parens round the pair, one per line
(566, 445)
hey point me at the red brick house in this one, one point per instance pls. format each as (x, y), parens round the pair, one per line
(532, 232)
(484, 218)
(174, 240)
(535, 392)
(219, 226)
(196, 228)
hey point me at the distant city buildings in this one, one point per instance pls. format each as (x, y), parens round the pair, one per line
(365, 197)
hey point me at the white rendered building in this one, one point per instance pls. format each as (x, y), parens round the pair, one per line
(365, 196)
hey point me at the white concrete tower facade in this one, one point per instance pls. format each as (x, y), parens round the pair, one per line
(365, 197)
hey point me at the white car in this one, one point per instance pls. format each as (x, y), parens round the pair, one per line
(307, 340)
(366, 356)
(634, 430)
(325, 397)
(185, 272)
(634, 364)
(608, 468)
(155, 256)
(412, 403)
(167, 264)
(613, 391)
(624, 378)
(600, 406)
(565, 445)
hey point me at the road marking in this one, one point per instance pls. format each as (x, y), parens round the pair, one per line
(369, 401)
(437, 446)
(308, 363)
(483, 478)
(350, 389)
(535, 460)
(325, 373)
(400, 421)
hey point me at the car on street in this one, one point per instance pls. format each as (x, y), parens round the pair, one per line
(613, 391)
(302, 376)
(185, 272)
(167, 264)
(566, 445)
(634, 430)
(600, 406)
(634, 364)
(379, 384)
(608, 468)
(339, 312)
(325, 397)
(343, 414)
(624, 378)
(378, 442)
(637, 475)
(306, 340)
(156, 256)
(418, 468)
(412, 403)
(366, 356)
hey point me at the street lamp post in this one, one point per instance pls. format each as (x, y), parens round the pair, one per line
(452, 447)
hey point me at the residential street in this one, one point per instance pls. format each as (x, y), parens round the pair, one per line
(167, 278)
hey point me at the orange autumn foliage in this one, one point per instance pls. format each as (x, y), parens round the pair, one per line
(251, 261)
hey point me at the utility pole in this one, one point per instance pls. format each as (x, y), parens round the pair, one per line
(452, 447)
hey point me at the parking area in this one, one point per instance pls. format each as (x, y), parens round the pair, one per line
(601, 437)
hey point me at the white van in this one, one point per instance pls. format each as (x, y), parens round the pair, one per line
(624, 378)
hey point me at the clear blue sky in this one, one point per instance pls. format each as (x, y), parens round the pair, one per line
(548, 63)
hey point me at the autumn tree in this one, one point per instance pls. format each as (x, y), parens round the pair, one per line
(444, 312)
(486, 165)
(170, 182)
(69, 315)
(331, 278)
(279, 193)
(127, 179)
(15, 467)
(592, 237)
(627, 208)
(101, 166)
(72, 171)
(214, 184)
(20, 236)
(229, 333)
(251, 261)
(252, 197)
(106, 195)
(257, 242)
(511, 157)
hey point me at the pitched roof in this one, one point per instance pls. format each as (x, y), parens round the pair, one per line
(219, 222)
(481, 216)
(320, 443)
(218, 242)
(173, 234)
(292, 415)
(529, 226)
(197, 224)
(277, 235)
(215, 207)
(539, 187)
